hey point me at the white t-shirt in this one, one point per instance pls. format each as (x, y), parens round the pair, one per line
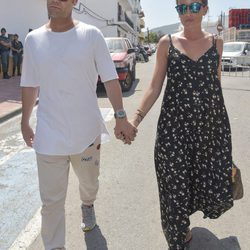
(65, 67)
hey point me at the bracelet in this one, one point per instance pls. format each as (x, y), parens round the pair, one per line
(140, 113)
(138, 118)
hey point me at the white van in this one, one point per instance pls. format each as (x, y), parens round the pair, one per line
(236, 54)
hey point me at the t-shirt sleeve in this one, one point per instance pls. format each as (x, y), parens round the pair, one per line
(29, 76)
(104, 64)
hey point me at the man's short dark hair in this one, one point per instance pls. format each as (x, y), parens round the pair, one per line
(3, 30)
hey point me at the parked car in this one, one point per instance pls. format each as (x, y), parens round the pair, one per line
(236, 54)
(124, 58)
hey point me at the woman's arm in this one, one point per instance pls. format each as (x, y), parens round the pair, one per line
(219, 45)
(154, 89)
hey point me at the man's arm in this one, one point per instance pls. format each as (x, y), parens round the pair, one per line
(29, 96)
(123, 129)
(8, 45)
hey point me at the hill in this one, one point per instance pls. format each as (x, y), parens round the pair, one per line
(167, 29)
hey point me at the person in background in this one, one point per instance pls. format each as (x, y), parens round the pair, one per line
(17, 52)
(5, 45)
(193, 152)
(70, 127)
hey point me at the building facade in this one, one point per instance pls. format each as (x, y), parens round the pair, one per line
(119, 18)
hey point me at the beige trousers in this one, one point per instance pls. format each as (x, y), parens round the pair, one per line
(53, 174)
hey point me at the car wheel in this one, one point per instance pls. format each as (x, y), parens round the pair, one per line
(127, 83)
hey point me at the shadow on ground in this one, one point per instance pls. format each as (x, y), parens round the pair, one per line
(95, 240)
(203, 239)
(101, 93)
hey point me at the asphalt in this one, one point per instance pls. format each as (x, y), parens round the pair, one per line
(128, 204)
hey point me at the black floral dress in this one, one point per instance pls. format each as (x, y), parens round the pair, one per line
(193, 144)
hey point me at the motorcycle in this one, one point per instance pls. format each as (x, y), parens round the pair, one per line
(141, 54)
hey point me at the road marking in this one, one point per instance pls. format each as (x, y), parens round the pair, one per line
(107, 114)
(7, 157)
(29, 234)
(33, 228)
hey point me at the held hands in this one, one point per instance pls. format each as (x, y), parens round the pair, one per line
(125, 131)
(28, 134)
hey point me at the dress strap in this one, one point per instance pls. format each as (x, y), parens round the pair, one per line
(214, 39)
(170, 39)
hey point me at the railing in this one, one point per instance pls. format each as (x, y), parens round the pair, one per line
(122, 16)
(236, 66)
(127, 19)
(233, 35)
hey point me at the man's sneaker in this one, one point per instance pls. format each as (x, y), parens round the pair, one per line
(88, 218)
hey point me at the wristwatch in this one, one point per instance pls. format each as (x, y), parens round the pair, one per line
(119, 114)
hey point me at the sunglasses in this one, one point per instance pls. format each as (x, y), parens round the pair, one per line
(193, 8)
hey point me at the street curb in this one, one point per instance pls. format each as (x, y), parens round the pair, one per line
(13, 113)
(6, 117)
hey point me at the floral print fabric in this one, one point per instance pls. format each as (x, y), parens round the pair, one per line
(193, 144)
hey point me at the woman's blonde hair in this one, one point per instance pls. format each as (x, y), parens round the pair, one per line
(205, 2)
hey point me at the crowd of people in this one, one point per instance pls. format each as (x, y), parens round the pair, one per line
(10, 45)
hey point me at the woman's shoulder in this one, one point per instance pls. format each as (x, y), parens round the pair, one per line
(165, 41)
(216, 40)
(214, 37)
(163, 45)
(175, 36)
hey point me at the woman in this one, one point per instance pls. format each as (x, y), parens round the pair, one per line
(193, 143)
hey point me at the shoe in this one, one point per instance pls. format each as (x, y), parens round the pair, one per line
(6, 76)
(88, 218)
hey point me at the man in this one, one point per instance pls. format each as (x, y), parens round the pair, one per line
(5, 52)
(63, 59)
(17, 52)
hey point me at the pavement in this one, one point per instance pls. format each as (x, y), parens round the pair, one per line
(10, 98)
(127, 207)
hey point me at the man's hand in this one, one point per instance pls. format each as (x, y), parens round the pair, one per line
(125, 131)
(28, 134)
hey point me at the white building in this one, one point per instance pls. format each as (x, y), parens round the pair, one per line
(118, 18)
(112, 17)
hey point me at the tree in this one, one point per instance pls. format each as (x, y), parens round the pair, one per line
(152, 38)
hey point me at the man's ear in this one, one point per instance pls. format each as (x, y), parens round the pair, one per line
(74, 2)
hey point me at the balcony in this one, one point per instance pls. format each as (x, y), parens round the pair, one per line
(128, 5)
(125, 22)
(141, 35)
(141, 14)
(142, 23)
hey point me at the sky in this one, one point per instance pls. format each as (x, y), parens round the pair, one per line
(162, 12)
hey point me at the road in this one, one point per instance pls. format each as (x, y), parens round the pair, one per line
(127, 207)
